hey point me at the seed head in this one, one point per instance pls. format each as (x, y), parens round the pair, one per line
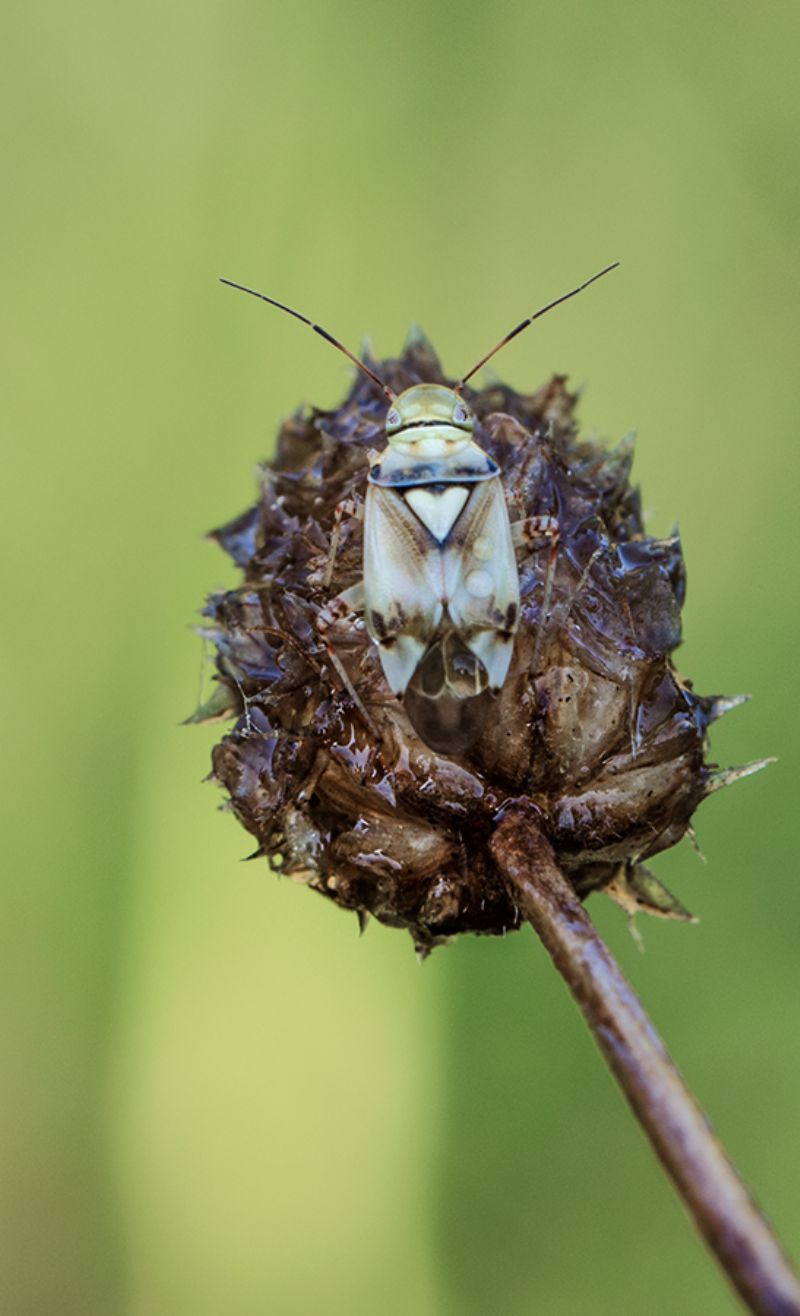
(593, 726)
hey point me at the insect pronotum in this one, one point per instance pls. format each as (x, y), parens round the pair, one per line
(440, 589)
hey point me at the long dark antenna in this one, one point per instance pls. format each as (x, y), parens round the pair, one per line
(524, 324)
(323, 333)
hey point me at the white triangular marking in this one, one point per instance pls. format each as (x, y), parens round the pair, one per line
(438, 512)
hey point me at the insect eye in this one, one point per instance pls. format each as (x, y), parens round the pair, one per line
(393, 418)
(459, 413)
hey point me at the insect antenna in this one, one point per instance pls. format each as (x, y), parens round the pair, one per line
(524, 323)
(323, 333)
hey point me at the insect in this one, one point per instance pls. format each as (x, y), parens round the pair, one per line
(440, 589)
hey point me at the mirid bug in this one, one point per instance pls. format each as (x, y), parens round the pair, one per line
(440, 588)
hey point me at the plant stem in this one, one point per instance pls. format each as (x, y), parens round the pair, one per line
(705, 1178)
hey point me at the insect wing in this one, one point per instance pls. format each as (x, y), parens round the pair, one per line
(481, 579)
(402, 584)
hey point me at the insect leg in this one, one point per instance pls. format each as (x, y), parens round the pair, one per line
(566, 608)
(341, 671)
(532, 531)
(349, 601)
(348, 507)
(329, 620)
(560, 614)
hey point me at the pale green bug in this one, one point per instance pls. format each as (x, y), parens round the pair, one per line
(440, 591)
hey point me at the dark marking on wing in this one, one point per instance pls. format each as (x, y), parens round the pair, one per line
(379, 624)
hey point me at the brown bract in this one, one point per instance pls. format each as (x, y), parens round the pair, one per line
(593, 727)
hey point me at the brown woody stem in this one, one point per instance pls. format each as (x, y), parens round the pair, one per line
(705, 1178)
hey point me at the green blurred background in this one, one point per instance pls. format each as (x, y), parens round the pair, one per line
(217, 1098)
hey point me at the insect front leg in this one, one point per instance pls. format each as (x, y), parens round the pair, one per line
(333, 623)
(347, 507)
(334, 613)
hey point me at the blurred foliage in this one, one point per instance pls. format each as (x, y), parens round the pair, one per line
(217, 1098)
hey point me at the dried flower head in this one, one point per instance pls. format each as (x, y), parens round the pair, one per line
(593, 725)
